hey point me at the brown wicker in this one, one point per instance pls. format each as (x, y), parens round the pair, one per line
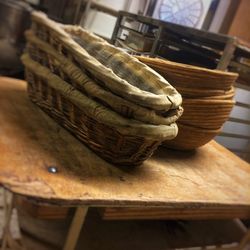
(206, 113)
(207, 94)
(188, 76)
(114, 138)
(113, 69)
(60, 65)
(190, 137)
(207, 100)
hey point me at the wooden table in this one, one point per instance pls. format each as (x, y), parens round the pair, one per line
(210, 180)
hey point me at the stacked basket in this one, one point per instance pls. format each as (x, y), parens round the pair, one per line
(207, 100)
(116, 105)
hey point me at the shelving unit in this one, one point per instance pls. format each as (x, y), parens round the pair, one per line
(181, 43)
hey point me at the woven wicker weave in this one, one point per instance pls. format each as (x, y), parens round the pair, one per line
(117, 71)
(187, 92)
(190, 137)
(206, 113)
(116, 139)
(207, 100)
(188, 76)
(60, 65)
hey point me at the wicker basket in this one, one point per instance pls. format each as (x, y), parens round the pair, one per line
(207, 94)
(113, 69)
(190, 137)
(116, 139)
(187, 76)
(206, 113)
(207, 100)
(60, 65)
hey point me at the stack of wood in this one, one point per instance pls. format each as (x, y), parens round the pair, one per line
(116, 105)
(207, 100)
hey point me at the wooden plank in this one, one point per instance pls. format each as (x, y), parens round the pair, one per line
(75, 228)
(242, 86)
(233, 135)
(233, 119)
(171, 213)
(105, 9)
(41, 212)
(243, 105)
(116, 29)
(228, 54)
(31, 142)
(140, 235)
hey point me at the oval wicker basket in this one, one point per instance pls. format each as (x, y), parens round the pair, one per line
(116, 139)
(114, 69)
(188, 76)
(60, 65)
(190, 137)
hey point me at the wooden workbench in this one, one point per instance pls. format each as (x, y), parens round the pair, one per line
(31, 142)
(210, 180)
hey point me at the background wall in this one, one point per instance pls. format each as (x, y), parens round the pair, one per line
(233, 18)
(103, 24)
(240, 25)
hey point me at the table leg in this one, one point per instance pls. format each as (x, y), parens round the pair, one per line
(75, 228)
(245, 242)
(8, 208)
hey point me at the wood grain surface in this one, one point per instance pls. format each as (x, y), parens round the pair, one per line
(31, 142)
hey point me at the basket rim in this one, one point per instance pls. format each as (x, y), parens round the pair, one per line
(203, 101)
(144, 114)
(188, 67)
(161, 101)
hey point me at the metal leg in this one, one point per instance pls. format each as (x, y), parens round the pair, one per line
(75, 228)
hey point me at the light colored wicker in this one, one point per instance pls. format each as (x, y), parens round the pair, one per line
(207, 100)
(188, 76)
(206, 113)
(60, 65)
(118, 140)
(190, 137)
(113, 69)
(207, 94)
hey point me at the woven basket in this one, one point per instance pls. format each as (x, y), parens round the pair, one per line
(114, 138)
(188, 76)
(207, 94)
(190, 137)
(206, 113)
(113, 69)
(60, 65)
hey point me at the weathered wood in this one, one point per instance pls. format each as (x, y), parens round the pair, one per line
(31, 142)
(75, 228)
(140, 235)
(171, 213)
(105, 9)
(41, 211)
(227, 54)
